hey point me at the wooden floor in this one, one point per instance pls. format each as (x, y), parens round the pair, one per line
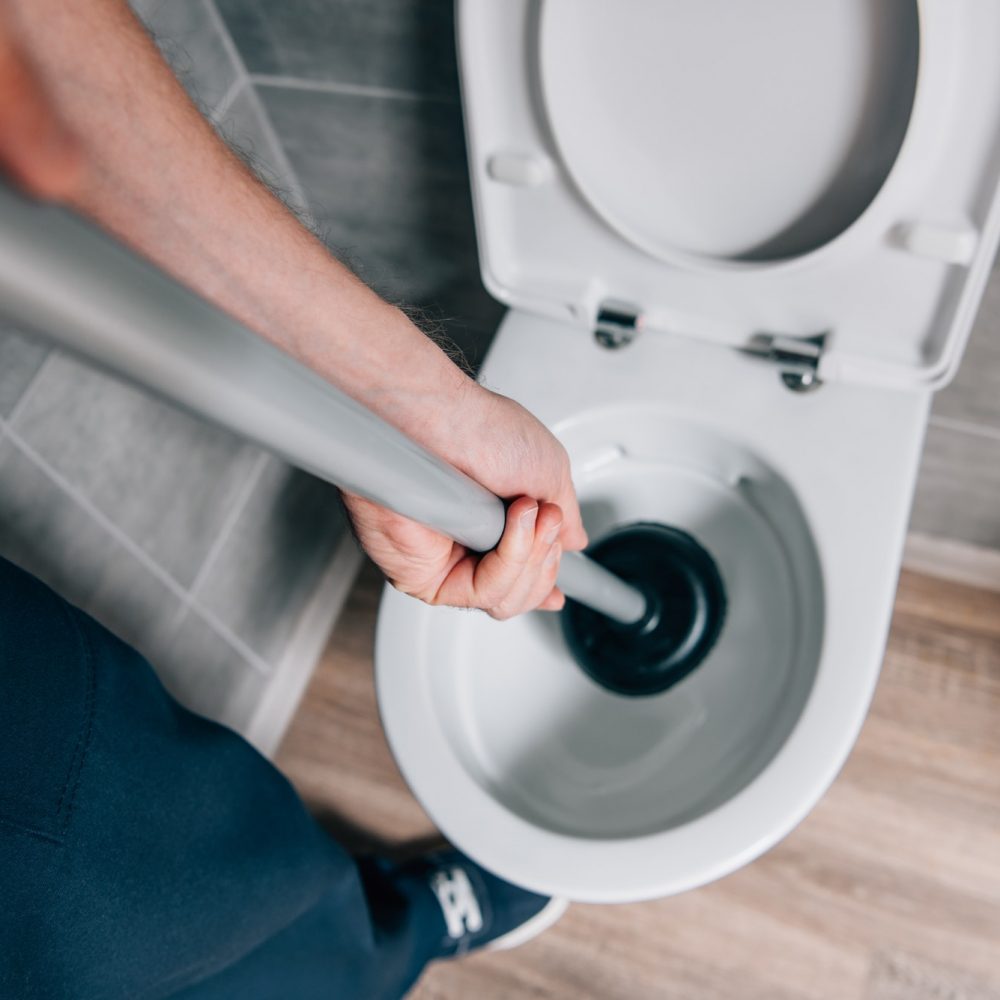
(890, 890)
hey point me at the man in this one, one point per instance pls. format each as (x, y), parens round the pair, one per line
(145, 852)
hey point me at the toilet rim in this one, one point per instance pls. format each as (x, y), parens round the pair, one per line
(925, 109)
(622, 868)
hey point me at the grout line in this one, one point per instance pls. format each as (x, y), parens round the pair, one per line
(182, 612)
(106, 523)
(291, 178)
(966, 427)
(279, 82)
(288, 173)
(22, 401)
(229, 524)
(276, 708)
(227, 39)
(229, 636)
(227, 100)
(135, 550)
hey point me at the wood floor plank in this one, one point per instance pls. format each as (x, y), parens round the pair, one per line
(889, 890)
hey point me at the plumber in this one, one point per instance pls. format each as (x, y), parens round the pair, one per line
(145, 851)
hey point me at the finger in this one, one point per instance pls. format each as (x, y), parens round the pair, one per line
(518, 540)
(573, 536)
(548, 530)
(556, 601)
(537, 578)
(486, 582)
(36, 148)
(546, 578)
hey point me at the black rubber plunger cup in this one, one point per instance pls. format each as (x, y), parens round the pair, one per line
(686, 609)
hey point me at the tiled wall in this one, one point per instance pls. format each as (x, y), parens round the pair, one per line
(959, 493)
(206, 553)
(364, 98)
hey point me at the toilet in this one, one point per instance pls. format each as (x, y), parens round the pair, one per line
(741, 245)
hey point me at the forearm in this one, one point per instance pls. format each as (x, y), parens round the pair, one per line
(155, 174)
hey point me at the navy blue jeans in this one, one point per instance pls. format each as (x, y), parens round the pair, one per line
(147, 852)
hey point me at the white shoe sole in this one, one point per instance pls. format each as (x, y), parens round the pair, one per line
(540, 922)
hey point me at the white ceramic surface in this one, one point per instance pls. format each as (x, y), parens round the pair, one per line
(647, 151)
(566, 754)
(802, 500)
(639, 150)
(750, 131)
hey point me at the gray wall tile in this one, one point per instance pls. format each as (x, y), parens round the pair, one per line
(958, 494)
(190, 40)
(245, 128)
(974, 396)
(389, 188)
(205, 674)
(20, 358)
(166, 479)
(46, 532)
(404, 45)
(268, 569)
(168, 484)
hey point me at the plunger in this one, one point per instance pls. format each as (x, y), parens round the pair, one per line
(644, 607)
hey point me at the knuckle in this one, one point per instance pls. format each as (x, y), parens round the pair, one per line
(420, 593)
(513, 557)
(494, 594)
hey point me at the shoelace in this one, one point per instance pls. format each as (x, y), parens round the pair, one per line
(458, 901)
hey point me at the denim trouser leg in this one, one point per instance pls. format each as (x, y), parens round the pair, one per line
(147, 852)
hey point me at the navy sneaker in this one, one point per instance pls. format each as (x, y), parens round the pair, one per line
(469, 908)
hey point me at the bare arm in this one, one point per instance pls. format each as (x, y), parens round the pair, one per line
(154, 173)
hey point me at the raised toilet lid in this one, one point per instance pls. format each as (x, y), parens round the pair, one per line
(735, 169)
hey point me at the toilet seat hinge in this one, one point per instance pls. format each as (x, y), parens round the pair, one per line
(797, 358)
(618, 323)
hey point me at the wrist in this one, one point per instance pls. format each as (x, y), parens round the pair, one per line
(401, 374)
(462, 430)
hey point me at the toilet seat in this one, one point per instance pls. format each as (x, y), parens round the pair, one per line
(894, 291)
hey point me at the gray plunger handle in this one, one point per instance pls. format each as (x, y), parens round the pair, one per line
(69, 281)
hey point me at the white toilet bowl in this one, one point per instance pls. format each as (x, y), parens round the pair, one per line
(558, 784)
(801, 498)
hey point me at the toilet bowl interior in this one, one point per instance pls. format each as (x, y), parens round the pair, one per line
(542, 738)
(752, 132)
